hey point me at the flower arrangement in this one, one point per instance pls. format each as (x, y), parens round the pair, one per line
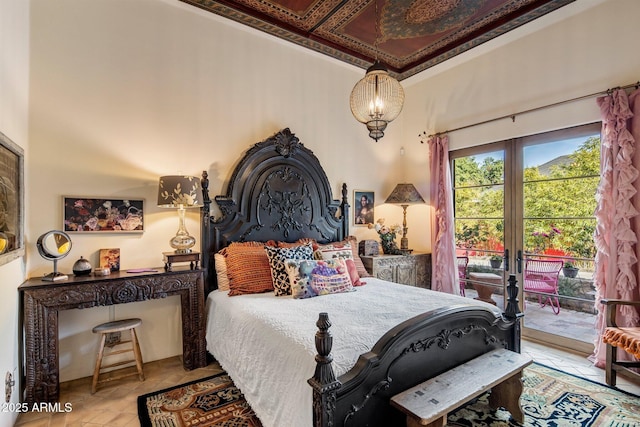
(387, 236)
(544, 239)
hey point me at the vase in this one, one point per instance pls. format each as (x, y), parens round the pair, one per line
(389, 246)
(82, 267)
(495, 263)
(570, 272)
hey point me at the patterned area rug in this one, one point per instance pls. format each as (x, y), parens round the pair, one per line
(212, 401)
(550, 398)
(554, 398)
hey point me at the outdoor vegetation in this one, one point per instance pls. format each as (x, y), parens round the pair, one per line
(559, 203)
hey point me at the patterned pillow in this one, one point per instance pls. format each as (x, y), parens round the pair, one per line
(277, 257)
(310, 278)
(302, 241)
(340, 250)
(248, 268)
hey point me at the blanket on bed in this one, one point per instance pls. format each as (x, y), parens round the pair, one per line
(266, 343)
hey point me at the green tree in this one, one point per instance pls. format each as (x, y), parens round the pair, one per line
(563, 199)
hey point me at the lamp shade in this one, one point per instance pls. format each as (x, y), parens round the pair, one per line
(376, 100)
(405, 194)
(175, 191)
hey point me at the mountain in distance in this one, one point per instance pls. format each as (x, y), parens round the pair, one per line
(545, 168)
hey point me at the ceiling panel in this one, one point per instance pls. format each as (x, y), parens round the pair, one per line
(408, 36)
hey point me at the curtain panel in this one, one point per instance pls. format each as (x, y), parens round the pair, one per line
(444, 276)
(617, 223)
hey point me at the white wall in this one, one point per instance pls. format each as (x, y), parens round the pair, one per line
(14, 97)
(583, 48)
(123, 92)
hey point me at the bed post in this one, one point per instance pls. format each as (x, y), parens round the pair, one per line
(344, 208)
(324, 381)
(512, 314)
(205, 233)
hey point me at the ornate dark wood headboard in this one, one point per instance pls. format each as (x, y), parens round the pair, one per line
(278, 191)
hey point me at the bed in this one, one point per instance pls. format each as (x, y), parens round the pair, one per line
(330, 360)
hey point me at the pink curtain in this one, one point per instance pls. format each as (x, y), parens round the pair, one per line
(443, 254)
(617, 222)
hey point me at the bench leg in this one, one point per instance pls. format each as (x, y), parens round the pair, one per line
(507, 395)
(414, 422)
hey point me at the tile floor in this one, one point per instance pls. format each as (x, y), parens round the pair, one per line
(115, 403)
(567, 323)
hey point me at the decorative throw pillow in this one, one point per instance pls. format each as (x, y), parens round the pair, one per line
(356, 258)
(221, 271)
(300, 242)
(248, 268)
(310, 278)
(340, 250)
(277, 257)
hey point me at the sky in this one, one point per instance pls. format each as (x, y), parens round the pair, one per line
(536, 155)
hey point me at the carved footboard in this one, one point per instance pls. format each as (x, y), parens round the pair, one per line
(412, 352)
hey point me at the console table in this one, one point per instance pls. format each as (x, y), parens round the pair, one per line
(41, 301)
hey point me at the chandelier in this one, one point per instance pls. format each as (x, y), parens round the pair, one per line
(376, 100)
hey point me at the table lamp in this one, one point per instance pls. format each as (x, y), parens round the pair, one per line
(404, 195)
(180, 192)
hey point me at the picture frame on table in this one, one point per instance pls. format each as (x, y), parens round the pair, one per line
(102, 215)
(363, 207)
(110, 258)
(11, 200)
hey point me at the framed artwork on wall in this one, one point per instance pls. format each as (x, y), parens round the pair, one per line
(85, 214)
(110, 258)
(363, 202)
(11, 200)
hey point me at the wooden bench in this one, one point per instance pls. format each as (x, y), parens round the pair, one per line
(482, 283)
(428, 404)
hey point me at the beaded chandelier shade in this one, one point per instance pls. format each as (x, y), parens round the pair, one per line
(376, 100)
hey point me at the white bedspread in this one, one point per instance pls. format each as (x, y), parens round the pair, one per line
(266, 343)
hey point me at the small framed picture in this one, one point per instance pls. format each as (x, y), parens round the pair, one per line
(86, 214)
(110, 258)
(363, 203)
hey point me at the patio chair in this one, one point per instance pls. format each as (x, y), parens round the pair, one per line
(617, 337)
(463, 261)
(541, 277)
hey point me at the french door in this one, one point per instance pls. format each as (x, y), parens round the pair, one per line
(524, 203)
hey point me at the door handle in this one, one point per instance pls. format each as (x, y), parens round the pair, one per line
(519, 261)
(506, 259)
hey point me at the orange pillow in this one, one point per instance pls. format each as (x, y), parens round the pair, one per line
(248, 268)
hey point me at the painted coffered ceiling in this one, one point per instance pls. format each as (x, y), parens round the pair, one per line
(408, 36)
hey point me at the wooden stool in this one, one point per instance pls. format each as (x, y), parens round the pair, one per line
(115, 328)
